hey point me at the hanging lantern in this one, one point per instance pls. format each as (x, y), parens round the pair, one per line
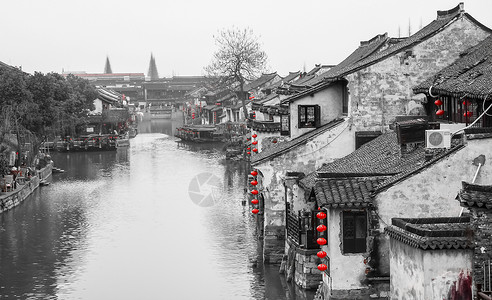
(321, 254)
(255, 150)
(254, 142)
(466, 103)
(249, 148)
(321, 228)
(254, 173)
(254, 182)
(321, 215)
(322, 267)
(438, 102)
(321, 241)
(254, 192)
(255, 201)
(468, 114)
(440, 112)
(254, 135)
(274, 141)
(255, 211)
(248, 152)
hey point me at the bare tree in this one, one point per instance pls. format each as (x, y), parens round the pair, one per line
(238, 59)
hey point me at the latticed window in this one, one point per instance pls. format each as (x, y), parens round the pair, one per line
(354, 229)
(309, 116)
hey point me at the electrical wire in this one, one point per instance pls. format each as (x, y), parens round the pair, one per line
(479, 117)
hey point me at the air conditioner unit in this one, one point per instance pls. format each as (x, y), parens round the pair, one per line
(438, 138)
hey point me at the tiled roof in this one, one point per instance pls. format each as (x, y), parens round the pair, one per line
(433, 233)
(383, 156)
(346, 192)
(264, 126)
(264, 78)
(365, 49)
(283, 147)
(471, 74)
(287, 79)
(266, 99)
(475, 195)
(352, 65)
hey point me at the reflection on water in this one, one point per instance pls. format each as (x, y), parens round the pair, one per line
(121, 225)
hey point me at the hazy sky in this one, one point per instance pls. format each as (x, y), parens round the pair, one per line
(51, 35)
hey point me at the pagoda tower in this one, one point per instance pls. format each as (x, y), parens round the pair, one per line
(152, 73)
(107, 67)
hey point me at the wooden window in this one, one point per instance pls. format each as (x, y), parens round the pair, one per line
(354, 231)
(309, 116)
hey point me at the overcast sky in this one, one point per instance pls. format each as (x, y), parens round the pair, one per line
(51, 35)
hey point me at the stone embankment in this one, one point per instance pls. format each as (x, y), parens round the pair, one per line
(9, 200)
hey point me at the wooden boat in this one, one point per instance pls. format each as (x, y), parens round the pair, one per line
(199, 134)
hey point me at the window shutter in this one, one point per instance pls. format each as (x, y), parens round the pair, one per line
(299, 115)
(317, 116)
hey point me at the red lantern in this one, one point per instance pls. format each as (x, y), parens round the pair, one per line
(321, 241)
(438, 102)
(254, 192)
(254, 182)
(249, 148)
(322, 267)
(254, 135)
(248, 152)
(255, 150)
(321, 228)
(468, 114)
(254, 142)
(440, 112)
(321, 254)
(466, 103)
(321, 215)
(254, 173)
(255, 201)
(255, 211)
(274, 141)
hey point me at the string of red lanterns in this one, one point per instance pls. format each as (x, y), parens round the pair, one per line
(254, 183)
(321, 241)
(439, 112)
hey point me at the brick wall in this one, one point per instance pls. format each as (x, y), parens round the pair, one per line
(481, 222)
(382, 91)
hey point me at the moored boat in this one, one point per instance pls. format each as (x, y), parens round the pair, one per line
(199, 133)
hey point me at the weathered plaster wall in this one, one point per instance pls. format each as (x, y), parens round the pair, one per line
(382, 91)
(265, 139)
(442, 269)
(407, 272)
(432, 192)
(432, 272)
(346, 270)
(330, 102)
(306, 158)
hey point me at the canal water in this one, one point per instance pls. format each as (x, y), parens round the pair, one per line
(157, 220)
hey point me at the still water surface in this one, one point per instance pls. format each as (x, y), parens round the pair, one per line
(121, 225)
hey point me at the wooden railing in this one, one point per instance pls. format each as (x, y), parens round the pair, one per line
(301, 229)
